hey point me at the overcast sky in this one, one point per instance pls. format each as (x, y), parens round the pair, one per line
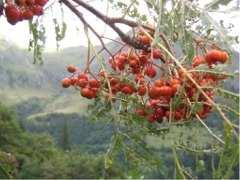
(75, 35)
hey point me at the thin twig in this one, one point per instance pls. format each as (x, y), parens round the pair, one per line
(209, 130)
(80, 16)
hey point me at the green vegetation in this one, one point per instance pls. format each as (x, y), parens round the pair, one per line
(27, 155)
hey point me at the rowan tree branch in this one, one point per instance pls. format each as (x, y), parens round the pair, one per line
(109, 21)
(86, 24)
(112, 21)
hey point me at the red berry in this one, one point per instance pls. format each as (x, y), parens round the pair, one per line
(30, 2)
(66, 82)
(136, 70)
(120, 65)
(175, 84)
(152, 118)
(159, 83)
(74, 81)
(12, 13)
(191, 92)
(71, 68)
(37, 10)
(202, 113)
(27, 14)
(150, 71)
(165, 91)
(143, 59)
(159, 112)
(122, 59)
(94, 89)
(94, 83)
(82, 83)
(88, 93)
(114, 90)
(127, 90)
(157, 53)
(178, 115)
(145, 40)
(41, 2)
(214, 56)
(224, 57)
(142, 90)
(133, 63)
(175, 81)
(114, 81)
(197, 60)
(83, 76)
(154, 92)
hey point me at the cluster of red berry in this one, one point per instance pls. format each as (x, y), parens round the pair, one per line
(136, 61)
(212, 57)
(163, 90)
(23, 10)
(135, 74)
(143, 38)
(88, 87)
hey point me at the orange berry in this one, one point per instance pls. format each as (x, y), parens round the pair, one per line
(150, 71)
(94, 83)
(157, 54)
(66, 82)
(82, 83)
(142, 90)
(197, 60)
(71, 68)
(87, 93)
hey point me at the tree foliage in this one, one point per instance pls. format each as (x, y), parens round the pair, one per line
(149, 121)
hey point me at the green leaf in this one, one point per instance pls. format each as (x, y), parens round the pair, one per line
(37, 40)
(179, 171)
(3, 173)
(60, 31)
(228, 94)
(229, 156)
(108, 162)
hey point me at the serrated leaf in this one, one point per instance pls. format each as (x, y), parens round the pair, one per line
(229, 157)
(179, 171)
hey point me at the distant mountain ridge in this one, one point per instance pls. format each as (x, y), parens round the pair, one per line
(19, 76)
(35, 92)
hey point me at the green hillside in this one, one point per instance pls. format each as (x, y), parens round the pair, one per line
(42, 105)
